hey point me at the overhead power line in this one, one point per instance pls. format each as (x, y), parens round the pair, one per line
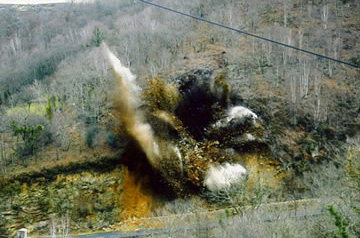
(250, 34)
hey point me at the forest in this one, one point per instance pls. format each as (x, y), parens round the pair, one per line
(87, 147)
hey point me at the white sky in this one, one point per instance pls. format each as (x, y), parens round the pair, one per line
(35, 1)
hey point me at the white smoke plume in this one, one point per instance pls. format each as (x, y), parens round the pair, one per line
(223, 176)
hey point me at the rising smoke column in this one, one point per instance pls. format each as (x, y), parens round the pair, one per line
(125, 104)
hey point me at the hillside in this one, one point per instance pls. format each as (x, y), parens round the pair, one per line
(84, 146)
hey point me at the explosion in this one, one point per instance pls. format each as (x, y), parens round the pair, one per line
(188, 131)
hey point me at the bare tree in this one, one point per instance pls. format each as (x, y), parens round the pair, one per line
(304, 79)
(337, 46)
(309, 7)
(287, 38)
(2, 155)
(301, 37)
(286, 12)
(15, 44)
(293, 94)
(317, 92)
(60, 226)
(84, 84)
(325, 14)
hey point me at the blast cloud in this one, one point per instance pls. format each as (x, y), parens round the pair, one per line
(164, 154)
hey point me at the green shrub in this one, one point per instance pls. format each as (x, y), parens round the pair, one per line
(113, 141)
(90, 136)
(339, 222)
(30, 135)
(49, 110)
(97, 37)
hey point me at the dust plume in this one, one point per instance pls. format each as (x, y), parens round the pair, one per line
(125, 104)
(223, 176)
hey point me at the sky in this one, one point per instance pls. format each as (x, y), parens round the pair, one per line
(34, 1)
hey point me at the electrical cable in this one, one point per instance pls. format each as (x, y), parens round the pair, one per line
(250, 34)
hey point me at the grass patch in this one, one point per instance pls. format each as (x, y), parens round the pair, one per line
(34, 108)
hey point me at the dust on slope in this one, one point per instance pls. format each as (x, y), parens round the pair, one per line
(137, 203)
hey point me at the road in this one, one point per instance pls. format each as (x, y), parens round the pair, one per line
(195, 222)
